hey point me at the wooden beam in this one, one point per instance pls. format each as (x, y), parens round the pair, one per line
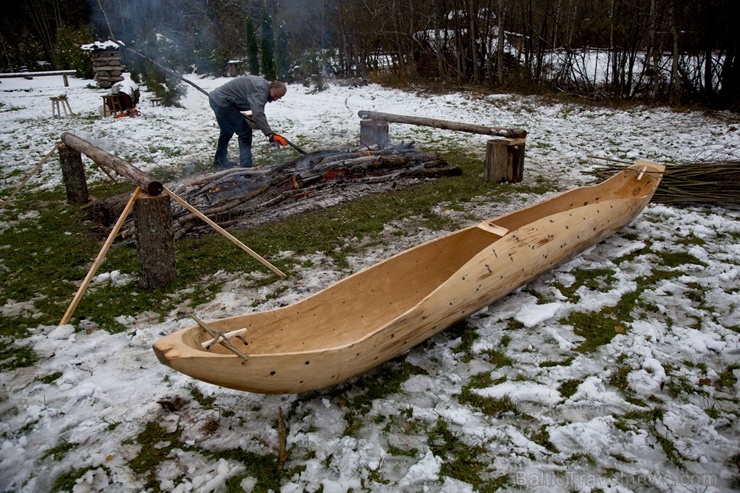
(12, 75)
(225, 233)
(99, 259)
(103, 158)
(443, 124)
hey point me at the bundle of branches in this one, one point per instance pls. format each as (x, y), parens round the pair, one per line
(242, 197)
(711, 183)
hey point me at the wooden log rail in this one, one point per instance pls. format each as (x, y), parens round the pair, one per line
(103, 158)
(443, 124)
(63, 73)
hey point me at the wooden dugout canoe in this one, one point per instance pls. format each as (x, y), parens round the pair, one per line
(386, 309)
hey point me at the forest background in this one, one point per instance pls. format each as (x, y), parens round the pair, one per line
(663, 51)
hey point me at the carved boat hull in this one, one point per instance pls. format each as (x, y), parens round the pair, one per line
(386, 309)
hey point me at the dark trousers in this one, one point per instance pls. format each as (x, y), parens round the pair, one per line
(231, 122)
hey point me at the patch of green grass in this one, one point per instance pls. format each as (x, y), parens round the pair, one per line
(206, 402)
(649, 418)
(481, 380)
(595, 279)
(264, 468)
(678, 259)
(68, 480)
(497, 357)
(358, 395)
(597, 328)
(727, 379)
(462, 461)
(549, 364)
(467, 334)
(569, 387)
(541, 437)
(619, 376)
(491, 406)
(16, 356)
(59, 451)
(156, 445)
(51, 377)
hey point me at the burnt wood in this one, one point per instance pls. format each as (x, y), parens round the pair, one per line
(248, 197)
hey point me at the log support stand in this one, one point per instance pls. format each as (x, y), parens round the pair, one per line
(155, 240)
(505, 160)
(73, 175)
(374, 133)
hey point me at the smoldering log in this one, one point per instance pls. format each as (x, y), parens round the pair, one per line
(243, 198)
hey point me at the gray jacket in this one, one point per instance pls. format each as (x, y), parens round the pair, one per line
(248, 92)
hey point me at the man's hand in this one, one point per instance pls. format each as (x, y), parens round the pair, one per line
(279, 139)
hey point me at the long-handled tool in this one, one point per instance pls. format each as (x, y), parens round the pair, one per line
(294, 146)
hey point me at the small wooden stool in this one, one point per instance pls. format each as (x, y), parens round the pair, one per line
(58, 103)
(156, 101)
(111, 105)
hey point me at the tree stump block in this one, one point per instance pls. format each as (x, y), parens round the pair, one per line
(374, 133)
(155, 240)
(505, 160)
(73, 175)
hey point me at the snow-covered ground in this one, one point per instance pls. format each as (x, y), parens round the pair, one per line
(655, 409)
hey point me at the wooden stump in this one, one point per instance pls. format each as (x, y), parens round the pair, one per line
(73, 175)
(505, 160)
(374, 133)
(155, 240)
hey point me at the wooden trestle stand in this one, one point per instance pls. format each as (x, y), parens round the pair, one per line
(152, 216)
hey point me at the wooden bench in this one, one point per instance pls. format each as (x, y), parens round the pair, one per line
(31, 75)
(156, 101)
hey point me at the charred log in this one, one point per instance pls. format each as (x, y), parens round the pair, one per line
(242, 198)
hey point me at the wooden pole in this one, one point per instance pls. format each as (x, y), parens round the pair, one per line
(103, 158)
(155, 241)
(28, 177)
(218, 228)
(73, 174)
(100, 257)
(443, 124)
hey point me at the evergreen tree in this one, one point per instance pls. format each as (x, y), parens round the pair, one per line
(253, 50)
(268, 51)
(283, 55)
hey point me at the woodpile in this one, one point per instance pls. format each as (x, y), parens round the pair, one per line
(707, 182)
(240, 198)
(107, 66)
